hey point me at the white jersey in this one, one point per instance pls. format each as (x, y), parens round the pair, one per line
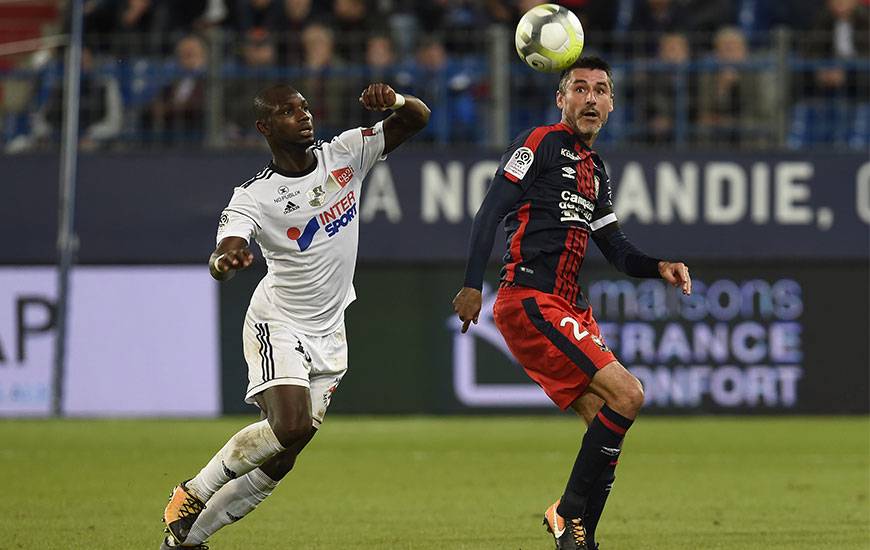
(308, 229)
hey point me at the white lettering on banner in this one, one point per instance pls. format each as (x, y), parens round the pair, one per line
(632, 198)
(724, 193)
(789, 191)
(380, 196)
(760, 193)
(677, 196)
(862, 192)
(733, 343)
(479, 176)
(726, 386)
(111, 319)
(731, 194)
(442, 193)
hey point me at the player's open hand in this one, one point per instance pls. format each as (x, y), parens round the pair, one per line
(467, 305)
(233, 259)
(378, 97)
(677, 274)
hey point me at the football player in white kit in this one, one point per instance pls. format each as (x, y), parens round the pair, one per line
(303, 211)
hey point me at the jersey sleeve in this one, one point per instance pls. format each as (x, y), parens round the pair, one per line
(603, 217)
(241, 217)
(366, 145)
(523, 160)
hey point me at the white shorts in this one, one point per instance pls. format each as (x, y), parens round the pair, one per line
(277, 355)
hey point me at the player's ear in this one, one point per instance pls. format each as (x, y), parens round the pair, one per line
(263, 128)
(560, 100)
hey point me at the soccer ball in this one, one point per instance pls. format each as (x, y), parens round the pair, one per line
(549, 38)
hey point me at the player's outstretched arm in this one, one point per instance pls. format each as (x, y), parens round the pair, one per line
(410, 115)
(231, 254)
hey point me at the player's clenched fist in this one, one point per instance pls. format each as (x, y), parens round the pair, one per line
(238, 258)
(380, 97)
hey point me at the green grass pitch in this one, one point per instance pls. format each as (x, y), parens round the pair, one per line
(449, 484)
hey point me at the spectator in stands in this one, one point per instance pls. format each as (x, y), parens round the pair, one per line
(296, 14)
(451, 88)
(100, 109)
(841, 30)
(352, 19)
(665, 95)
(258, 53)
(324, 79)
(650, 20)
(381, 66)
(736, 104)
(250, 14)
(178, 115)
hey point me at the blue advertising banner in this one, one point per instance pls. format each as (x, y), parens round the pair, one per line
(418, 205)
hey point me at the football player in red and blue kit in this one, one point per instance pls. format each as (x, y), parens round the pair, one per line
(554, 194)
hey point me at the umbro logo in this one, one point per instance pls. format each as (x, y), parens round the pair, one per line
(291, 207)
(568, 153)
(568, 172)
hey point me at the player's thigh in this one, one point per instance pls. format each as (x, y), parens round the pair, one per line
(278, 374)
(329, 365)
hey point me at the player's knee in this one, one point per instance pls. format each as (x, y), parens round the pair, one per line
(634, 394)
(280, 465)
(291, 429)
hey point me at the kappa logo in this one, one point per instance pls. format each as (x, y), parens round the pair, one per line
(567, 153)
(520, 162)
(568, 172)
(291, 207)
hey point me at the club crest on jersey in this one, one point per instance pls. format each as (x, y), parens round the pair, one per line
(339, 178)
(568, 153)
(520, 162)
(317, 196)
(575, 207)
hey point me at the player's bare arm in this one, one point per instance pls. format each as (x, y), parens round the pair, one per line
(409, 116)
(677, 274)
(231, 254)
(467, 304)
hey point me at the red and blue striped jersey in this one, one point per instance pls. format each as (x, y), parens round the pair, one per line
(566, 196)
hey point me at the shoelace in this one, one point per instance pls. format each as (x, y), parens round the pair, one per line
(189, 507)
(578, 532)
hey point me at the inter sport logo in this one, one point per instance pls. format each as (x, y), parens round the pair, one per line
(332, 220)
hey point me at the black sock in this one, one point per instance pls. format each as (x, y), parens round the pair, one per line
(600, 447)
(597, 498)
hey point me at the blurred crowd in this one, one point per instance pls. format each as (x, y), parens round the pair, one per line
(688, 72)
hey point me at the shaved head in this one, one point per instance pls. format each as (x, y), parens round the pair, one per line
(268, 100)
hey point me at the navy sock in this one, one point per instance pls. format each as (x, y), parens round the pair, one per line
(600, 447)
(596, 501)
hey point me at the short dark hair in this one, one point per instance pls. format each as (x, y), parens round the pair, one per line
(265, 102)
(589, 62)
